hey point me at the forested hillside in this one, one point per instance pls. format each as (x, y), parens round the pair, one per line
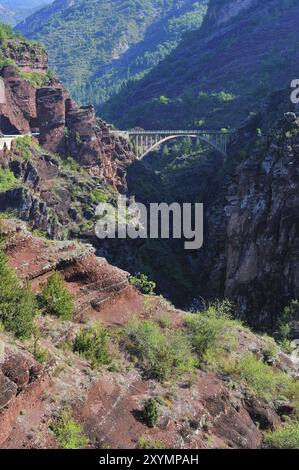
(219, 73)
(96, 46)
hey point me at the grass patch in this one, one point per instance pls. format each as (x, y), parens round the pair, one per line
(99, 196)
(162, 353)
(284, 437)
(68, 432)
(147, 443)
(213, 334)
(24, 146)
(7, 180)
(36, 79)
(265, 382)
(40, 354)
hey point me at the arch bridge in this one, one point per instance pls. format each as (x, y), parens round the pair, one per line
(146, 141)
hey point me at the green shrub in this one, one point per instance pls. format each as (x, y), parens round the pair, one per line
(70, 164)
(8, 62)
(263, 381)
(7, 180)
(284, 437)
(18, 306)
(161, 353)
(36, 79)
(142, 282)
(213, 333)
(270, 349)
(164, 100)
(55, 299)
(99, 196)
(289, 315)
(93, 344)
(68, 433)
(150, 413)
(146, 443)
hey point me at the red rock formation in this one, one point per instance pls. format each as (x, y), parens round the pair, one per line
(22, 380)
(51, 118)
(71, 131)
(30, 57)
(64, 128)
(95, 283)
(19, 111)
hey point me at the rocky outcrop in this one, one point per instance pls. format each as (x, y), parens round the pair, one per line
(69, 130)
(30, 57)
(30, 208)
(95, 283)
(205, 415)
(51, 118)
(19, 109)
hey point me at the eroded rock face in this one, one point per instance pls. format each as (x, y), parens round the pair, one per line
(22, 380)
(51, 118)
(263, 229)
(8, 390)
(93, 280)
(19, 110)
(29, 57)
(68, 130)
(30, 208)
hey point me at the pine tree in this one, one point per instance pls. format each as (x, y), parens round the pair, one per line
(55, 299)
(18, 306)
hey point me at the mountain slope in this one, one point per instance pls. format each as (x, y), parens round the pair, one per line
(97, 45)
(14, 11)
(219, 73)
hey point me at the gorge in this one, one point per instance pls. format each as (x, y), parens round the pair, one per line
(188, 347)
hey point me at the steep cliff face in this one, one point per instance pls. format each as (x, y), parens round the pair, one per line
(68, 130)
(263, 228)
(18, 111)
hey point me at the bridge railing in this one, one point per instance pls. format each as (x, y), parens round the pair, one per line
(177, 132)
